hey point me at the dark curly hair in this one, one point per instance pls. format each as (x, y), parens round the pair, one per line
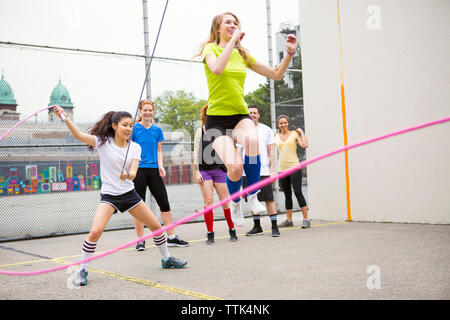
(103, 128)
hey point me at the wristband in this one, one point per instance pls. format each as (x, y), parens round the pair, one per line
(63, 117)
(291, 54)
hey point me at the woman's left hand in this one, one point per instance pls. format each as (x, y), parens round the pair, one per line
(162, 172)
(291, 43)
(124, 175)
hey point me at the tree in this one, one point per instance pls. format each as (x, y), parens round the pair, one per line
(261, 98)
(179, 109)
(288, 101)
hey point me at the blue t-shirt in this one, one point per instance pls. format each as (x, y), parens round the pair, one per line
(148, 140)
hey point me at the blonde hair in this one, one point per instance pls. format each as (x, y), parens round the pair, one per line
(214, 36)
(141, 105)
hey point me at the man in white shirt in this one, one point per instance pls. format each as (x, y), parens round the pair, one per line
(267, 155)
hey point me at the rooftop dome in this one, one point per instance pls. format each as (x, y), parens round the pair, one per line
(60, 96)
(6, 93)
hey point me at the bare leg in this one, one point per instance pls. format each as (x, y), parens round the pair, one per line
(271, 207)
(101, 218)
(144, 215)
(289, 214)
(139, 227)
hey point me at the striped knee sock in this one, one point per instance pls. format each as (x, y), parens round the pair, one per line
(87, 251)
(161, 243)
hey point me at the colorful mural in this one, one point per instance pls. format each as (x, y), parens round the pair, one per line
(50, 179)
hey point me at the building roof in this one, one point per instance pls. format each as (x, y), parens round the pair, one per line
(60, 96)
(6, 93)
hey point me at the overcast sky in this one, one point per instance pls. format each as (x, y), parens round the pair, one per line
(98, 83)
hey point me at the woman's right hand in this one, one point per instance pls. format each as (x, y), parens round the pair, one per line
(59, 112)
(238, 35)
(198, 177)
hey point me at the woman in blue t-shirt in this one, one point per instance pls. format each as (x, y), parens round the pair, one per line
(151, 170)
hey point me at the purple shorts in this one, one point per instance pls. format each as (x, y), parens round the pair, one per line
(216, 175)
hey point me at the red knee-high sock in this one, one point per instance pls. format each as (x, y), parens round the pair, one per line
(209, 220)
(227, 214)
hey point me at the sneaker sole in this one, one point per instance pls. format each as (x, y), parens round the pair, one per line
(254, 234)
(177, 245)
(175, 267)
(276, 235)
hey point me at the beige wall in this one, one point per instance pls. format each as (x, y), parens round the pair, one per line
(396, 75)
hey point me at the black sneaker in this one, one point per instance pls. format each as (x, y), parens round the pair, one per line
(255, 231)
(210, 239)
(233, 236)
(140, 246)
(173, 262)
(275, 231)
(176, 242)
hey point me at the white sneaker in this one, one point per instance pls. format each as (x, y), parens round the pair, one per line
(255, 206)
(236, 213)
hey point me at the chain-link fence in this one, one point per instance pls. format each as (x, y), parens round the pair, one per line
(49, 182)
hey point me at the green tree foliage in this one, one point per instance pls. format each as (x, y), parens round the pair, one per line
(294, 109)
(287, 101)
(179, 109)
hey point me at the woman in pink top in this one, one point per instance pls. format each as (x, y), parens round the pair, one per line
(287, 143)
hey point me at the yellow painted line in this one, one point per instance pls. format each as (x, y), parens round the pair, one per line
(156, 285)
(147, 283)
(132, 249)
(47, 260)
(344, 117)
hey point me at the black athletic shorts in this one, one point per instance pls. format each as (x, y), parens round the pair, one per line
(265, 193)
(122, 202)
(223, 125)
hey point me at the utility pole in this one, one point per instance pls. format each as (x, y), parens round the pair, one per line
(271, 82)
(147, 49)
(273, 116)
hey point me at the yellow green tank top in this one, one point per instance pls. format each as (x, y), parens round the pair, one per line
(226, 91)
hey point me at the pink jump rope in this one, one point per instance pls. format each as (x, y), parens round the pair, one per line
(224, 201)
(233, 196)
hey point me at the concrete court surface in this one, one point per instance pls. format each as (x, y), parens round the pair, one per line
(331, 260)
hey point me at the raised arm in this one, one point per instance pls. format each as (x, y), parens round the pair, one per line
(218, 64)
(277, 72)
(77, 133)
